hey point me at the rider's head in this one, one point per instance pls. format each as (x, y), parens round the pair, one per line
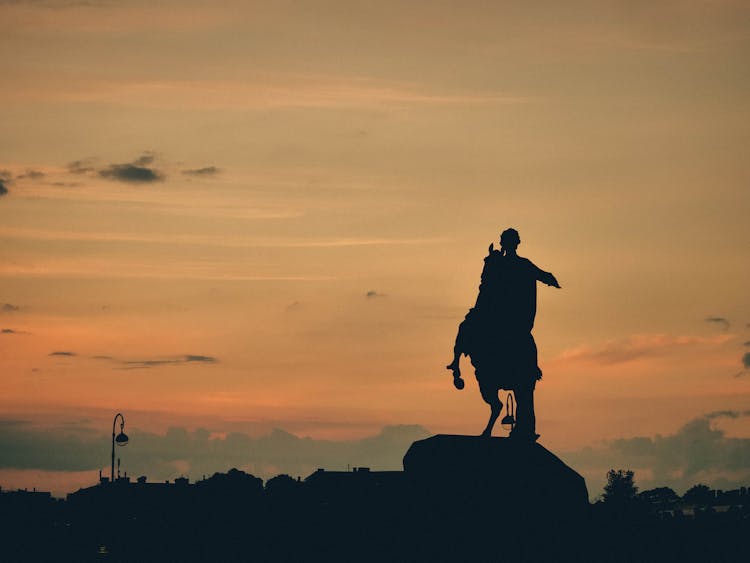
(509, 239)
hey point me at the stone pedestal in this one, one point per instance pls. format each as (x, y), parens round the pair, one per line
(522, 473)
(481, 491)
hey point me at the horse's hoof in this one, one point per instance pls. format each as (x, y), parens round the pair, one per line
(458, 383)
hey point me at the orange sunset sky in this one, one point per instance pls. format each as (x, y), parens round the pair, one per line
(224, 218)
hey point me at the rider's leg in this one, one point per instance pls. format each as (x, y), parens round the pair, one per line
(524, 391)
(525, 415)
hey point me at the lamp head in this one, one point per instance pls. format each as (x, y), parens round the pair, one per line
(121, 439)
(508, 422)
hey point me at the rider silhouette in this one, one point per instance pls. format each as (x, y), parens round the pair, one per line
(496, 333)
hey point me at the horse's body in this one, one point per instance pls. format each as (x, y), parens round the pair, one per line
(501, 360)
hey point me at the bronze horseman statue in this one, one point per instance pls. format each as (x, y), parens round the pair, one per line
(496, 334)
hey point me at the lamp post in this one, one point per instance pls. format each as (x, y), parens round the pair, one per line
(121, 440)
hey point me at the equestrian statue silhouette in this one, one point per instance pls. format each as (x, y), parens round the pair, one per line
(496, 334)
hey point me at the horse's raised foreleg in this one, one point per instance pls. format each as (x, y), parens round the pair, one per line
(490, 397)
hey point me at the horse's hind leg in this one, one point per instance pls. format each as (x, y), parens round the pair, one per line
(490, 397)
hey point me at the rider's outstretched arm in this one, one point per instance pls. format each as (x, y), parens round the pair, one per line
(546, 278)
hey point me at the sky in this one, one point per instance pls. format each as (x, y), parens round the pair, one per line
(253, 228)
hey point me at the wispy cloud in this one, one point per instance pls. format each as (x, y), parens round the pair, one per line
(139, 170)
(267, 92)
(733, 414)
(187, 359)
(63, 353)
(638, 346)
(55, 3)
(5, 178)
(13, 331)
(294, 306)
(106, 269)
(372, 294)
(746, 361)
(131, 173)
(217, 240)
(721, 321)
(145, 159)
(205, 171)
(157, 362)
(31, 175)
(9, 308)
(81, 166)
(97, 17)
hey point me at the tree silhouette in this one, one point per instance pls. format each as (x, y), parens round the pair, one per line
(620, 487)
(698, 494)
(660, 496)
(282, 487)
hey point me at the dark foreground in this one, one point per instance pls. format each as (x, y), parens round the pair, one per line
(507, 503)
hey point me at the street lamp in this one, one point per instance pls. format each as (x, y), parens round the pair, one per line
(121, 440)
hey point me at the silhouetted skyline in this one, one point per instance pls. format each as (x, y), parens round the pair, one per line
(369, 515)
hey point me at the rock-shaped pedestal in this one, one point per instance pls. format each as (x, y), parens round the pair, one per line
(528, 468)
(493, 484)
